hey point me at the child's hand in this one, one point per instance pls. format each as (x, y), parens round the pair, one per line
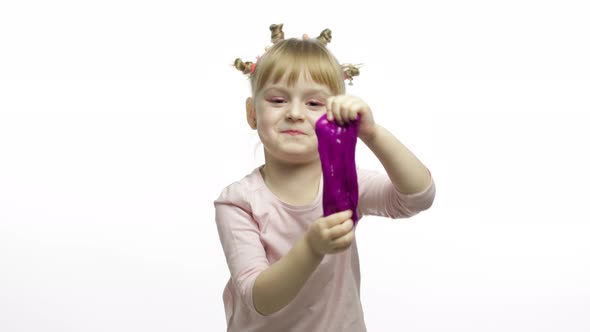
(331, 234)
(345, 108)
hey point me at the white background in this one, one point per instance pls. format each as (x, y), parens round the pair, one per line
(122, 121)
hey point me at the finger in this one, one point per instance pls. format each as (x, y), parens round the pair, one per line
(336, 108)
(356, 109)
(340, 230)
(343, 242)
(329, 113)
(353, 108)
(349, 115)
(342, 104)
(346, 110)
(337, 218)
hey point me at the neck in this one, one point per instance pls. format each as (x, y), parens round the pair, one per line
(291, 178)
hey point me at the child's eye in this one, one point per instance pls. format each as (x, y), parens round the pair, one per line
(277, 100)
(315, 103)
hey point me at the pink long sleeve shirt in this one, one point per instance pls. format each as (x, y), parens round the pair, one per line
(256, 229)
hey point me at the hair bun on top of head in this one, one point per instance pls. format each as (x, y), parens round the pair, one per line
(248, 67)
(277, 33)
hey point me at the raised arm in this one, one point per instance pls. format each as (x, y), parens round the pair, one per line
(405, 171)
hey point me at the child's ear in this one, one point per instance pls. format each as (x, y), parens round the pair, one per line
(251, 113)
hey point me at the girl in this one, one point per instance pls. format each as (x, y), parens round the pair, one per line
(293, 269)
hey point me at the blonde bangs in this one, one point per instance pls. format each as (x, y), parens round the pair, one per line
(293, 57)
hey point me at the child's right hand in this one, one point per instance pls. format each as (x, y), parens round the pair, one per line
(331, 234)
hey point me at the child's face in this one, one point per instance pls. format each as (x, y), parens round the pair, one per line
(286, 117)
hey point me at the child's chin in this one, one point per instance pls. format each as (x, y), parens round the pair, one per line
(300, 155)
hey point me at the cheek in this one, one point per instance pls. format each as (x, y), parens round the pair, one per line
(266, 127)
(266, 123)
(313, 117)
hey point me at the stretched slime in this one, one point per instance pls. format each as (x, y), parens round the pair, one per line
(336, 146)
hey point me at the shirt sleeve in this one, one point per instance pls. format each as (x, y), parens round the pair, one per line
(379, 197)
(239, 234)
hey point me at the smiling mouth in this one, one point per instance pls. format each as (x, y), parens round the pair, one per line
(293, 132)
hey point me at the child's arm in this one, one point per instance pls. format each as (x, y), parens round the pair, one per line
(405, 171)
(278, 285)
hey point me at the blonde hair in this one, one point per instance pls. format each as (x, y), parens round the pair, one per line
(290, 58)
(276, 33)
(294, 57)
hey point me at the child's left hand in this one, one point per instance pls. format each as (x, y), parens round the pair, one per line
(345, 108)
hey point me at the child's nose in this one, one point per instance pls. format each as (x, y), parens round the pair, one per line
(295, 112)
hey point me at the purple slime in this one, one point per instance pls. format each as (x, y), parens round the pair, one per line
(336, 145)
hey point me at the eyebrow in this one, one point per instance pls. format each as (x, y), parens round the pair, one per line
(305, 92)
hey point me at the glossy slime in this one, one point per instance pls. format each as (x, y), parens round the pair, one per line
(336, 145)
